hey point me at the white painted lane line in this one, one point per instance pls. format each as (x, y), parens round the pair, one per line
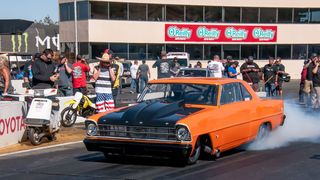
(41, 148)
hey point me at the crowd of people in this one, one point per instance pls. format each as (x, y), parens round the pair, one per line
(309, 93)
(49, 69)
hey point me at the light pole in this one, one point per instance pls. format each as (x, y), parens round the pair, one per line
(76, 27)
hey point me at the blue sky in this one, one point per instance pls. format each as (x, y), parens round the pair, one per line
(29, 9)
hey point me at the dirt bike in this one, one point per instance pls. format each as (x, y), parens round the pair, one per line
(81, 105)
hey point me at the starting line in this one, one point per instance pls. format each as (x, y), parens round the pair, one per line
(40, 148)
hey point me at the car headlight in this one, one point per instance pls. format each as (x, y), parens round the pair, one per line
(183, 133)
(92, 129)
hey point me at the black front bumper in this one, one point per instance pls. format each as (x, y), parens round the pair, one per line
(139, 148)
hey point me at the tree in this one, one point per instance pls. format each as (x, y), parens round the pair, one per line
(46, 21)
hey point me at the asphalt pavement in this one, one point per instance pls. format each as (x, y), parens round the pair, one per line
(297, 160)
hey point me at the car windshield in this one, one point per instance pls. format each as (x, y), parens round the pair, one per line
(182, 62)
(192, 73)
(190, 93)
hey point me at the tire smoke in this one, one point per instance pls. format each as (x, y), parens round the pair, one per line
(300, 125)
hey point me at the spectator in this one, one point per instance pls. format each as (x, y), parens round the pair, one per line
(43, 71)
(250, 73)
(308, 84)
(280, 72)
(269, 77)
(116, 84)
(232, 72)
(143, 74)
(65, 79)
(302, 94)
(134, 79)
(198, 65)
(215, 67)
(104, 77)
(79, 77)
(227, 65)
(316, 85)
(121, 69)
(163, 66)
(5, 80)
(28, 75)
(175, 67)
(190, 66)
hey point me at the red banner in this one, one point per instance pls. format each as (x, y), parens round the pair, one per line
(219, 33)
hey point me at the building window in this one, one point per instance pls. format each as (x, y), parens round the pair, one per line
(299, 51)
(137, 12)
(285, 15)
(84, 48)
(137, 51)
(175, 48)
(210, 50)
(232, 14)
(99, 10)
(301, 15)
(314, 48)
(82, 10)
(174, 13)
(314, 15)
(119, 49)
(118, 11)
(67, 12)
(154, 51)
(213, 14)
(266, 51)
(250, 15)
(268, 15)
(249, 50)
(194, 13)
(284, 51)
(97, 49)
(155, 12)
(195, 51)
(231, 50)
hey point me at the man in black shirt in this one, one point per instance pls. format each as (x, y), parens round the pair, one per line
(43, 71)
(280, 71)
(163, 66)
(316, 85)
(250, 73)
(270, 77)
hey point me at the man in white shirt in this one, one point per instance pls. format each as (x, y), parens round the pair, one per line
(215, 67)
(134, 81)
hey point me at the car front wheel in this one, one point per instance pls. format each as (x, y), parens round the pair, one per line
(196, 153)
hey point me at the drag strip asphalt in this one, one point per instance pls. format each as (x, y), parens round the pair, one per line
(297, 161)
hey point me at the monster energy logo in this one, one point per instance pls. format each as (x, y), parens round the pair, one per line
(13, 40)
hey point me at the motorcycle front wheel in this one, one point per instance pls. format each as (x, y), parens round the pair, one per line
(34, 136)
(68, 117)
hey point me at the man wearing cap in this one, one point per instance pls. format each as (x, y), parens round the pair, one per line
(250, 73)
(104, 77)
(28, 75)
(79, 77)
(65, 80)
(280, 72)
(227, 65)
(302, 93)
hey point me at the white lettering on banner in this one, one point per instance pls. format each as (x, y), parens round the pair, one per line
(179, 34)
(11, 125)
(261, 34)
(234, 34)
(47, 41)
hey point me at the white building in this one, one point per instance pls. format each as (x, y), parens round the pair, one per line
(140, 29)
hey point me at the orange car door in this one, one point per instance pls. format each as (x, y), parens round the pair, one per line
(233, 124)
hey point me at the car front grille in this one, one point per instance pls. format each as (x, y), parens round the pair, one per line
(137, 132)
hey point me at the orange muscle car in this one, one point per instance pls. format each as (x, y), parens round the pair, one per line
(184, 117)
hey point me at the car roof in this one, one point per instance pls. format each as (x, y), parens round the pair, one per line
(195, 80)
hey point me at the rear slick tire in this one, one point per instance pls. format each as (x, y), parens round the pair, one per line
(68, 117)
(264, 131)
